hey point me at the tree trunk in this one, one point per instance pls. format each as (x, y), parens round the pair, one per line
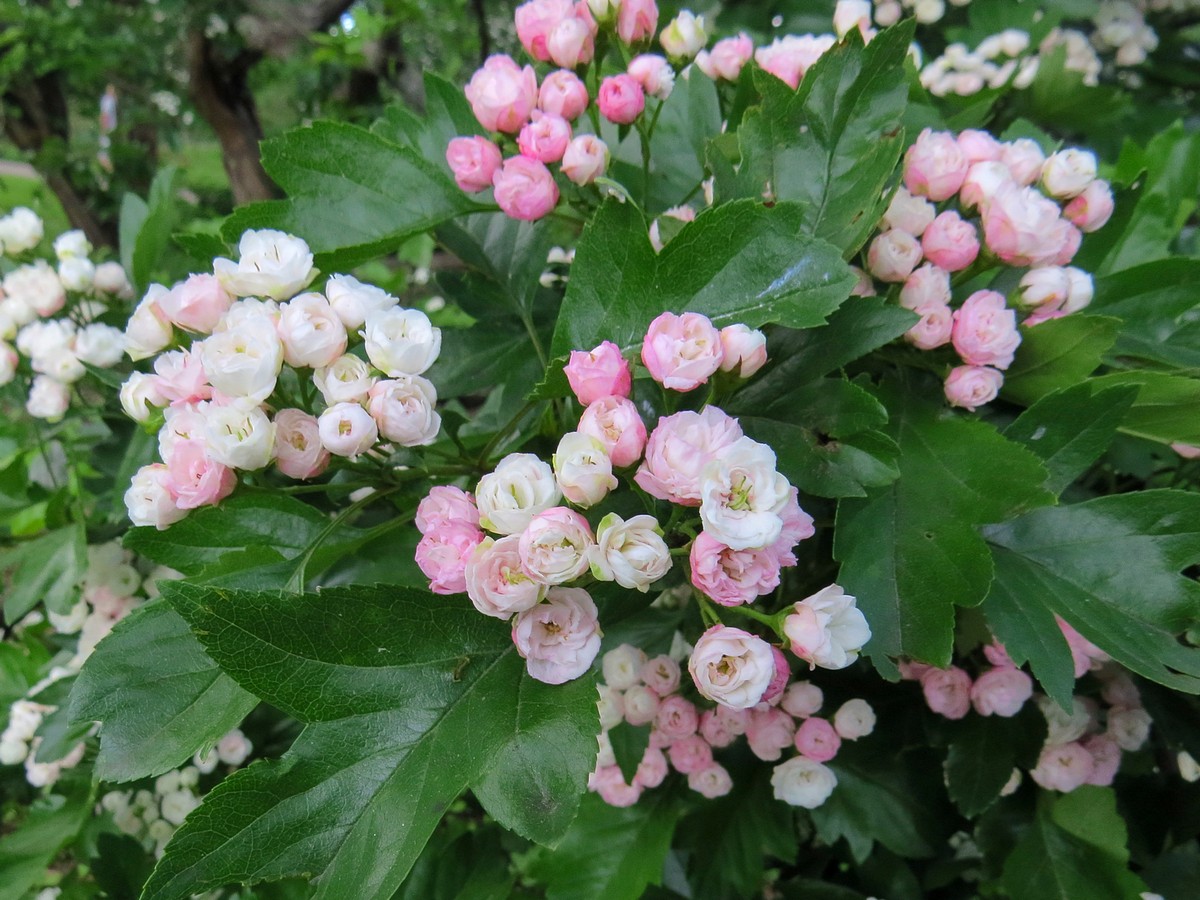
(222, 96)
(37, 113)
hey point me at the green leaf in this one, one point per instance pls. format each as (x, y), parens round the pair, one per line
(253, 539)
(158, 696)
(910, 551)
(885, 796)
(133, 216)
(1058, 354)
(1075, 850)
(629, 743)
(983, 753)
(739, 262)
(1167, 407)
(27, 851)
(1071, 428)
(507, 251)
(352, 195)
(833, 144)
(154, 235)
(1030, 634)
(409, 699)
(729, 837)
(609, 852)
(1110, 567)
(439, 873)
(826, 437)
(1171, 182)
(1157, 304)
(48, 569)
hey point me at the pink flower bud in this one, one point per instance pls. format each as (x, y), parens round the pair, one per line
(1063, 767)
(1021, 226)
(732, 577)
(1092, 208)
(720, 727)
(979, 146)
(802, 699)
(585, 159)
(572, 42)
(1045, 287)
(641, 705)
(545, 138)
(601, 372)
(677, 718)
(768, 732)
(925, 285)
(474, 161)
(653, 73)
(651, 770)
(442, 555)
(783, 672)
(196, 304)
(446, 505)
(985, 330)
(298, 449)
(525, 189)
(610, 784)
(621, 99)
(970, 387)
(982, 181)
(678, 450)
(789, 57)
(726, 58)
(893, 255)
(745, 350)
(1024, 159)
(908, 212)
(562, 94)
(950, 243)
(1001, 692)
(681, 352)
(935, 165)
(194, 478)
(661, 674)
(817, 739)
(1066, 238)
(615, 423)
(947, 691)
(1106, 759)
(1067, 173)
(1082, 290)
(636, 20)
(502, 94)
(535, 22)
(935, 327)
(690, 754)
(712, 782)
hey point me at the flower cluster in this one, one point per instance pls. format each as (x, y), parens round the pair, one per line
(353, 358)
(1083, 744)
(112, 587)
(1004, 204)
(56, 350)
(683, 736)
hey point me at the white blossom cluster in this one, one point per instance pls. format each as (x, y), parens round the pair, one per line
(57, 349)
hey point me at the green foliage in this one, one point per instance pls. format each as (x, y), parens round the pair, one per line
(984, 751)
(1058, 354)
(418, 700)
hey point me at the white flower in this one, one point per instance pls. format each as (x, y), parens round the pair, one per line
(622, 667)
(742, 495)
(311, 332)
(827, 629)
(177, 805)
(8, 362)
(347, 429)
(35, 287)
(403, 409)
(270, 264)
(71, 244)
(148, 330)
(732, 667)
(347, 379)
(520, 487)
(244, 362)
(76, 273)
(233, 748)
(48, 399)
(684, 35)
(111, 279)
(100, 345)
(559, 639)
(71, 621)
(239, 435)
(611, 706)
(1066, 173)
(1063, 727)
(148, 501)
(854, 719)
(583, 469)
(803, 782)
(21, 230)
(1189, 769)
(353, 301)
(630, 552)
(1129, 727)
(401, 341)
(555, 546)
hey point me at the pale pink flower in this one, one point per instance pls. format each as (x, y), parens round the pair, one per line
(1021, 226)
(1106, 759)
(721, 726)
(555, 545)
(726, 58)
(311, 332)
(442, 555)
(524, 188)
(473, 160)
(615, 423)
(195, 479)
(690, 754)
(610, 784)
(731, 666)
(678, 450)
(196, 304)
(559, 639)
(783, 671)
(181, 377)
(732, 577)
(1085, 654)
(768, 732)
(744, 350)
(681, 352)
(935, 165)
(502, 94)
(446, 505)
(893, 255)
(1067, 173)
(802, 699)
(789, 57)
(149, 500)
(797, 526)
(947, 691)
(677, 718)
(496, 581)
(536, 20)
(817, 739)
(652, 770)
(950, 243)
(983, 180)
(908, 212)
(636, 20)
(561, 94)
(1063, 767)
(600, 372)
(854, 719)
(572, 42)
(1001, 692)
(641, 705)
(621, 99)
(970, 387)
(979, 146)
(298, 449)
(653, 73)
(712, 782)
(346, 429)
(827, 629)
(585, 159)
(1092, 208)
(403, 410)
(545, 138)
(661, 674)
(1024, 160)
(985, 330)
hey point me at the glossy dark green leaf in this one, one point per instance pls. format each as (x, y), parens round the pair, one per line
(910, 551)
(740, 262)
(1071, 428)
(983, 752)
(458, 864)
(629, 743)
(158, 696)
(1111, 568)
(1166, 409)
(48, 569)
(833, 144)
(351, 194)
(884, 796)
(1058, 354)
(1157, 304)
(826, 437)
(26, 851)
(410, 699)
(609, 852)
(1027, 629)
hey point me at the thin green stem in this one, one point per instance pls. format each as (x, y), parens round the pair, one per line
(767, 620)
(296, 582)
(504, 432)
